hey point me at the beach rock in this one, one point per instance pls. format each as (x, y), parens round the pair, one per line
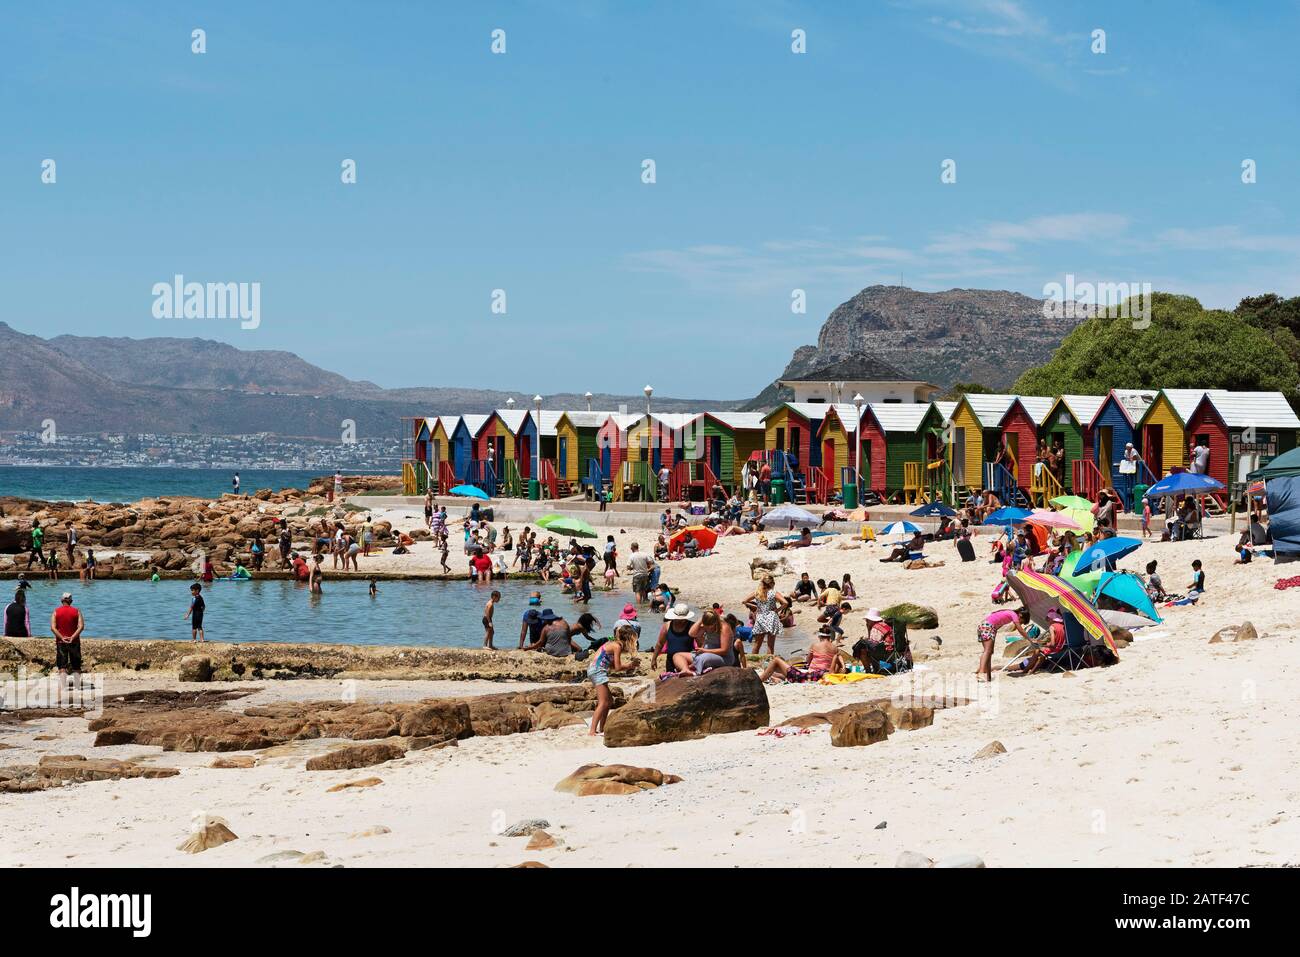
(592, 780)
(194, 668)
(375, 831)
(56, 770)
(547, 716)
(532, 864)
(858, 727)
(279, 857)
(916, 616)
(428, 742)
(540, 841)
(684, 708)
(312, 857)
(758, 567)
(491, 716)
(913, 859)
(526, 828)
(361, 783)
(1246, 632)
(909, 718)
(990, 750)
(212, 834)
(961, 860)
(355, 756)
(235, 761)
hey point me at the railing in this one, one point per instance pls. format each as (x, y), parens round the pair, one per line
(913, 482)
(549, 481)
(689, 474)
(446, 477)
(595, 476)
(482, 474)
(512, 483)
(1044, 486)
(849, 479)
(999, 480)
(1086, 479)
(818, 482)
(409, 481)
(938, 484)
(635, 480)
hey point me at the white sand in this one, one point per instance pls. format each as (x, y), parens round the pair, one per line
(1182, 754)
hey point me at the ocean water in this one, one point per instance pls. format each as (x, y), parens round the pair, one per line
(70, 483)
(430, 613)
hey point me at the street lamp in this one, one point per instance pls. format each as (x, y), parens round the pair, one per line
(510, 402)
(857, 441)
(649, 391)
(588, 396)
(537, 474)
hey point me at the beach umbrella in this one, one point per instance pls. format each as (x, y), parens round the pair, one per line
(1050, 519)
(469, 491)
(545, 520)
(1183, 483)
(792, 514)
(1041, 592)
(574, 527)
(933, 510)
(1008, 515)
(1123, 619)
(1128, 590)
(1103, 555)
(1087, 521)
(706, 537)
(1072, 501)
(1085, 581)
(899, 528)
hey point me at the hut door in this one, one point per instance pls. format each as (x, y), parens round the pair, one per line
(562, 456)
(865, 478)
(1105, 435)
(780, 439)
(604, 461)
(713, 452)
(959, 455)
(1153, 448)
(525, 458)
(828, 461)
(422, 451)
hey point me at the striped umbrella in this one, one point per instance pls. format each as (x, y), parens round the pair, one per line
(1049, 519)
(1040, 592)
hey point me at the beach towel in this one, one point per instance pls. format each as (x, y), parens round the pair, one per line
(847, 679)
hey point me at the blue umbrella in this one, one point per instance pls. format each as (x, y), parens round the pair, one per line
(1008, 515)
(1183, 483)
(899, 528)
(1128, 589)
(1103, 555)
(469, 491)
(934, 510)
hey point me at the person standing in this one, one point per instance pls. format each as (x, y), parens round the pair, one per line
(286, 543)
(640, 566)
(234, 483)
(72, 545)
(338, 485)
(195, 613)
(1199, 458)
(67, 624)
(37, 552)
(765, 482)
(18, 618)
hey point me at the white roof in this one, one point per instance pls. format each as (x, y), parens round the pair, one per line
(740, 420)
(513, 418)
(474, 423)
(1263, 410)
(1135, 402)
(581, 420)
(674, 420)
(946, 409)
(989, 408)
(1083, 407)
(1037, 406)
(809, 410)
(449, 423)
(900, 416)
(1185, 401)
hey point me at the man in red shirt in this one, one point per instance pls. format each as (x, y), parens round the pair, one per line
(67, 625)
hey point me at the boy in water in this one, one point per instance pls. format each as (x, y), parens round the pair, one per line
(374, 586)
(195, 613)
(446, 569)
(489, 610)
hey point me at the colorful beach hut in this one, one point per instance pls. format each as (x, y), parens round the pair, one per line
(578, 457)
(1069, 424)
(1243, 431)
(730, 439)
(835, 438)
(1162, 431)
(899, 442)
(463, 441)
(1113, 427)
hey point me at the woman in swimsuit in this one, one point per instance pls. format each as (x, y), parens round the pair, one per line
(988, 631)
(768, 606)
(715, 644)
(608, 658)
(823, 659)
(674, 638)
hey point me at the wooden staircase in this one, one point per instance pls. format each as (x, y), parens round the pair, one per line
(1086, 479)
(1001, 481)
(550, 482)
(1043, 487)
(688, 477)
(446, 477)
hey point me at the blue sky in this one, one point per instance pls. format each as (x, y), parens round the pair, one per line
(522, 172)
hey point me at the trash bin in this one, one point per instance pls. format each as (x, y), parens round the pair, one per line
(1138, 491)
(534, 490)
(778, 491)
(850, 496)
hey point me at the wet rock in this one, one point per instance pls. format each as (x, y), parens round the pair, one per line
(684, 708)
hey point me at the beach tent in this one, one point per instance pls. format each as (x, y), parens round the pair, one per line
(1040, 592)
(1288, 463)
(898, 441)
(1163, 429)
(1248, 428)
(1068, 423)
(1284, 513)
(730, 438)
(1126, 589)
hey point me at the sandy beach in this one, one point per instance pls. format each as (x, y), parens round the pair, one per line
(1178, 755)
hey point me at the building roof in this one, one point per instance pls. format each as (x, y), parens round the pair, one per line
(674, 420)
(513, 418)
(474, 423)
(809, 410)
(859, 367)
(1185, 401)
(989, 408)
(946, 409)
(1038, 406)
(580, 420)
(740, 420)
(1083, 407)
(448, 423)
(1132, 402)
(900, 416)
(847, 413)
(1262, 410)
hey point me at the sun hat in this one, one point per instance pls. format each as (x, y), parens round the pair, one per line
(680, 612)
(629, 611)
(872, 615)
(532, 614)
(1054, 614)
(548, 615)
(67, 596)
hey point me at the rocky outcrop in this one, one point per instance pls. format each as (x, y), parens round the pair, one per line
(683, 708)
(592, 780)
(355, 756)
(56, 770)
(210, 835)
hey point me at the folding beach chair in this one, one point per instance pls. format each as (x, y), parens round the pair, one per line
(1074, 655)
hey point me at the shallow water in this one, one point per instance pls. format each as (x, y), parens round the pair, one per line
(433, 613)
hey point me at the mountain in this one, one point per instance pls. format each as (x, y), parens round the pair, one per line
(97, 384)
(961, 335)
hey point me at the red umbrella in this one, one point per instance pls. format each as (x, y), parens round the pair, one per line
(704, 536)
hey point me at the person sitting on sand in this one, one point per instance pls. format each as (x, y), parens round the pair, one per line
(823, 659)
(847, 591)
(804, 540)
(878, 645)
(804, 589)
(674, 637)
(715, 645)
(614, 655)
(988, 631)
(1054, 645)
(903, 551)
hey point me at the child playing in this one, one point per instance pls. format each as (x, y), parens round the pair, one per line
(1197, 587)
(609, 657)
(446, 569)
(195, 613)
(1146, 517)
(374, 586)
(488, 611)
(610, 572)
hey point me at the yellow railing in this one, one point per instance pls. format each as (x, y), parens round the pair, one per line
(1043, 487)
(913, 483)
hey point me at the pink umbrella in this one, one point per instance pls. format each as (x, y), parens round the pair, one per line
(1050, 519)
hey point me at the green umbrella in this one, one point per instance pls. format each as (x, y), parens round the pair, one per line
(545, 520)
(1086, 582)
(1072, 501)
(575, 527)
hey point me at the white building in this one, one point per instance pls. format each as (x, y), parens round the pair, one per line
(874, 379)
